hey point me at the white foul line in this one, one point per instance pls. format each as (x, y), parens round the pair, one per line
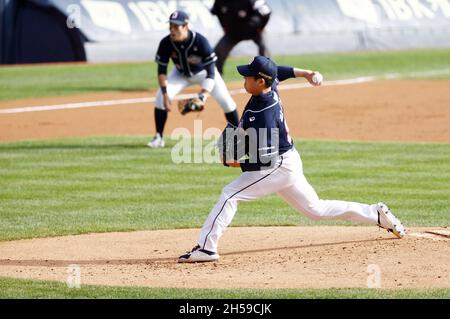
(291, 86)
(152, 99)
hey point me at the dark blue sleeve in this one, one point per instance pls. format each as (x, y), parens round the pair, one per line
(285, 72)
(162, 69)
(207, 54)
(163, 53)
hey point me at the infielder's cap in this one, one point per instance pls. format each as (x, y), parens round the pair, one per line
(179, 17)
(261, 66)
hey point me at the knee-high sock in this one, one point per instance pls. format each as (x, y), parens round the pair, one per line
(160, 120)
(232, 117)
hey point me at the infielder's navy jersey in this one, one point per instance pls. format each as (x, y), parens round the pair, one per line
(265, 111)
(190, 56)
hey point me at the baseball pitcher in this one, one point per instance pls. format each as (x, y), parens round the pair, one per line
(262, 148)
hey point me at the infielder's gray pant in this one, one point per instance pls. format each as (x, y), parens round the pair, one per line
(287, 180)
(177, 82)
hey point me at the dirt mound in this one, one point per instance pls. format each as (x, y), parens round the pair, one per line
(254, 257)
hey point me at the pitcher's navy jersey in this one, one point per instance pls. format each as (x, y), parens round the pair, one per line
(190, 56)
(265, 111)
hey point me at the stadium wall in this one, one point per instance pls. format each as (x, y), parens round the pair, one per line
(125, 30)
(35, 31)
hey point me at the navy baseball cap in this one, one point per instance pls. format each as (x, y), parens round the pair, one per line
(179, 17)
(261, 66)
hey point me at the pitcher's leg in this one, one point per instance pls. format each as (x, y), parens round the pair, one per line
(219, 218)
(304, 198)
(249, 186)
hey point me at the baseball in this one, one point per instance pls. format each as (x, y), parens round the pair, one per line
(317, 78)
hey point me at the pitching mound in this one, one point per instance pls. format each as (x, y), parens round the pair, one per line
(256, 257)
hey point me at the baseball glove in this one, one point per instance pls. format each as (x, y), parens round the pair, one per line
(232, 144)
(195, 104)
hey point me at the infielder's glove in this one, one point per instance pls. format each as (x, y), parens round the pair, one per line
(232, 144)
(195, 104)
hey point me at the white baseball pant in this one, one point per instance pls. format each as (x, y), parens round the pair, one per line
(176, 82)
(287, 180)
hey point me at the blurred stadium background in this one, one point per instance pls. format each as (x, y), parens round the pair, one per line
(34, 31)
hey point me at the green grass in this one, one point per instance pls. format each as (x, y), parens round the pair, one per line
(74, 186)
(20, 82)
(349, 65)
(17, 288)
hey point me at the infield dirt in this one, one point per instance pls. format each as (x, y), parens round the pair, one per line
(251, 257)
(377, 111)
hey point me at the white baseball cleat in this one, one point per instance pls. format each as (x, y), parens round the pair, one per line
(156, 142)
(198, 255)
(388, 221)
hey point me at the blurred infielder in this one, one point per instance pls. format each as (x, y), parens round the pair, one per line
(271, 164)
(241, 20)
(194, 62)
